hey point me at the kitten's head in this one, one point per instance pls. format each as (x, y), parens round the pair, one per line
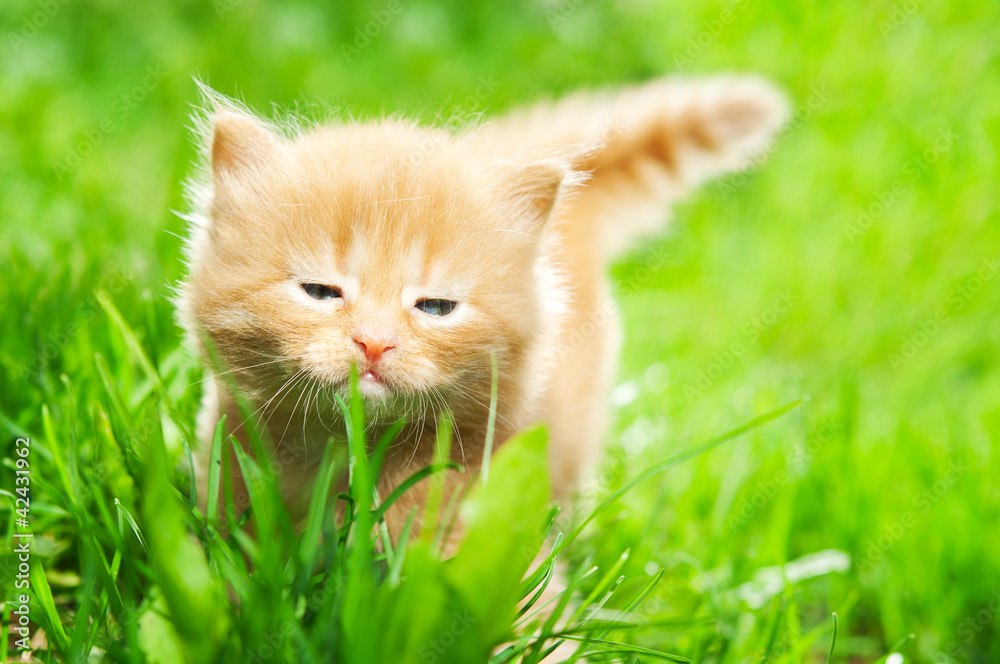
(409, 253)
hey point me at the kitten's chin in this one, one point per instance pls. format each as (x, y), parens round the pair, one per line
(385, 400)
(382, 399)
(373, 387)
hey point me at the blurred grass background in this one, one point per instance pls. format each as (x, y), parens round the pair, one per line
(858, 265)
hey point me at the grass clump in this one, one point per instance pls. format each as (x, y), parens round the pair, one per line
(159, 581)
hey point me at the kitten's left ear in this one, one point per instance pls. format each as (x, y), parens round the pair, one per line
(236, 142)
(239, 143)
(537, 187)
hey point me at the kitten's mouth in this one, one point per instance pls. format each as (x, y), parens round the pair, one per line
(372, 384)
(379, 390)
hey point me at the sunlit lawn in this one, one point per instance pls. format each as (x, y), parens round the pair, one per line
(856, 265)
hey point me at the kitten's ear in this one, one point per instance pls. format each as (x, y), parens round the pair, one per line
(235, 142)
(239, 143)
(536, 187)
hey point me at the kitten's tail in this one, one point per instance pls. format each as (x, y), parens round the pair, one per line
(645, 147)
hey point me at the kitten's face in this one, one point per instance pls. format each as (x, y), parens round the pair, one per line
(398, 251)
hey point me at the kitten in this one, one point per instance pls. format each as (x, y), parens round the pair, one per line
(417, 254)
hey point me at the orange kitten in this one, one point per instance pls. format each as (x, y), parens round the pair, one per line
(416, 253)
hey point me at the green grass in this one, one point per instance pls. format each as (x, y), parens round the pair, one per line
(766, 287)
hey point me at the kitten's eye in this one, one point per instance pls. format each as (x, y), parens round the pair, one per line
(321, 292)
(436, 307)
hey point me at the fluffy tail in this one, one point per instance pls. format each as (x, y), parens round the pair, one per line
(645, 147)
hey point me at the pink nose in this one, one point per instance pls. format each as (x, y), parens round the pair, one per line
(374, 346)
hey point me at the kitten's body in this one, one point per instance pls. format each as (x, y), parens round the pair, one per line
(515, 221)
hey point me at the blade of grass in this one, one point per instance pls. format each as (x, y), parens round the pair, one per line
(104, 601)
(255, 479)
(658, 624)
(396, 567)
(773, 637)
(79, 645)
(58, 458)
(193, 595)
(548, 628)
(633, 603)
(681, 458)
(833, 640)
(606, 583)
(806, 643)
(408, 483)
(449, 517)
(386, 439)
(50, 614)
(432, 504)
(615, 648)
(119, 410)
(214, 471)
(358, 593)
(895, 648)
(192, 484)
(132, 524)
(538, 575)
(309, 543)
(491, 422)
(139, 355)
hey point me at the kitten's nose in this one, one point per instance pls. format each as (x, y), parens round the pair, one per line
(373, 346)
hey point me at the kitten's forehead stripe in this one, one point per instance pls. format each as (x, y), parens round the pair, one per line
(384, 267)
(356, 255)
(414, 262)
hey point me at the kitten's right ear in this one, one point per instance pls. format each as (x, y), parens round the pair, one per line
(536, 187)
